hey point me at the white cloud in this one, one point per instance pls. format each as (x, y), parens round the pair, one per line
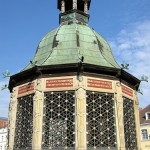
(132, 46)
(4, 99)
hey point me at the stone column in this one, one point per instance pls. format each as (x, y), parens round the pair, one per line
(12, 119)
(62, 6)
(119, 116)
(81, 116)
(74, 4)
(85, 7)
(37, 115)
(137, 120)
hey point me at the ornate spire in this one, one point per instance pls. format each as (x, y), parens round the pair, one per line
(74, 10)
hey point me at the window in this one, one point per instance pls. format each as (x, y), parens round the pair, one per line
(101, 121)
(2, 138)
(129, 124)
(80, 5)
(59, 120)
(24, 123)
(144, 134)
(147, 115)
(68, 6)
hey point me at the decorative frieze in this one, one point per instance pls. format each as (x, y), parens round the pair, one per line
(58, 83)
(27, 88)
(102, 84)
(127, 91)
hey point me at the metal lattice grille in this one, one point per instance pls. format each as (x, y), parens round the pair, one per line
(24, 123)
(101, 121)
(129, 124)
(59, 120)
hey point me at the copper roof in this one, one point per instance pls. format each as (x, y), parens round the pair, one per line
(61, 46)
(142, 115)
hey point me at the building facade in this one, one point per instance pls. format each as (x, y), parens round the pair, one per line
(73, 94)
(145, 128)
(3, 133)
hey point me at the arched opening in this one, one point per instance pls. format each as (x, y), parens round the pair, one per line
(80, 5)
(68, 5)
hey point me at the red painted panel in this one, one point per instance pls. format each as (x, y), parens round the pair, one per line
(127, 91)
(56, 83)
(99, 84)
(26, 88)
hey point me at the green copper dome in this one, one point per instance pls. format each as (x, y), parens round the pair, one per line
(72, 48)
(68, 43)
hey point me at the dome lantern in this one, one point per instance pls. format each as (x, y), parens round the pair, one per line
(74, 9)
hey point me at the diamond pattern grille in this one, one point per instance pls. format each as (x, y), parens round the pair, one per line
(129, 124)
(101, 121)
(24, 123)
(59, 120)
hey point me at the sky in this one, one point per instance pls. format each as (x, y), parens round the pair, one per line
(125, 24)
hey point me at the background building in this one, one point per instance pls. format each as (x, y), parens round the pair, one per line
(73, 94)
(3, 133)
(145, 127)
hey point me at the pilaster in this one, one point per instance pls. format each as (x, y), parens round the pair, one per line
(119, 116)
(63, 6)
(74, 4)
(81, 115)
(37, 115)
(85, 7)
(12, 119)
(137, 121)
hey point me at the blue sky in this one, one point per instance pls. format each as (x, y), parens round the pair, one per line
(124, 24)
